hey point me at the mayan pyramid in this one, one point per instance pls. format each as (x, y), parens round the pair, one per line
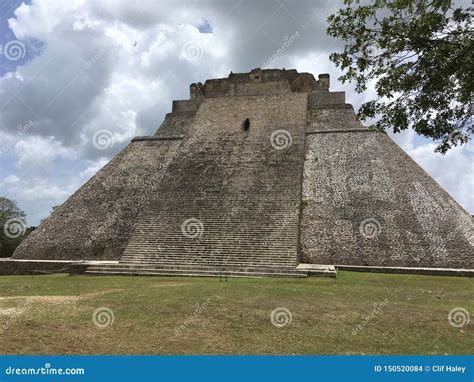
(258, 173)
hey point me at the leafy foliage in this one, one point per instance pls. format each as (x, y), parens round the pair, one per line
(420, 55)
(8, 211)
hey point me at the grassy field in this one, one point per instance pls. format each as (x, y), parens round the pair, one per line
(359, 313)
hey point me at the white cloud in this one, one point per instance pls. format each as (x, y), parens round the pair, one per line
(41, 18)
(10, 180)
(454, 170)
(35, 151)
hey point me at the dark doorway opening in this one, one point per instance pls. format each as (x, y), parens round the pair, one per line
(246, 124)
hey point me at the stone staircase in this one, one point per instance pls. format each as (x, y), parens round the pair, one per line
(216, 230)
(230, 203)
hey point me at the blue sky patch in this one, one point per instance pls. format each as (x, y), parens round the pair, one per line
(14, 52)
(205, 27)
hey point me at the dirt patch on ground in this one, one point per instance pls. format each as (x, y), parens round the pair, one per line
(56, 299)
(23, 303)
(10, 311)
(27, 300)
(170, 284)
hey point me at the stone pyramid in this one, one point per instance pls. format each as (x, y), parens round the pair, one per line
(259, 173)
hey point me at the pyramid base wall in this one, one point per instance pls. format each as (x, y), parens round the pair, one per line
(10, 267)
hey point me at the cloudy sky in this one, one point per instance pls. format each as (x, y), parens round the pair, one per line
(71, 68)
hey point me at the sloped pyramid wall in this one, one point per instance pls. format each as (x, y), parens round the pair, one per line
(366, 202)
(96, 221)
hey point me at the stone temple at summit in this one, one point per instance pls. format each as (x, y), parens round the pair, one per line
(261, 173)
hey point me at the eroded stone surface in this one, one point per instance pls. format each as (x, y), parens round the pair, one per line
(360, 176)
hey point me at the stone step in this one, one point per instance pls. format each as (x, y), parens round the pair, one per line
(195, 245)
(202, 251)
(209, 258)
(237, 208)
(210, 218)
(189, 242)
(210, 263)
(160, 266)
(190, 274)
(222, 256)
(231, 257)
(257, 235)
(214, 218)
(256, 267)
(186, 270)
(253, 236)
(193, 253)
(194, 272)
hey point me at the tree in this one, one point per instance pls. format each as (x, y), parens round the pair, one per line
(420, 55)
(13, 226)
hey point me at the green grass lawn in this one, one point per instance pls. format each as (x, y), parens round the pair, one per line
(359, 313)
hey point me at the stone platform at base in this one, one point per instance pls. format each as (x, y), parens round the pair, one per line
(37, 267)
(207, 270)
